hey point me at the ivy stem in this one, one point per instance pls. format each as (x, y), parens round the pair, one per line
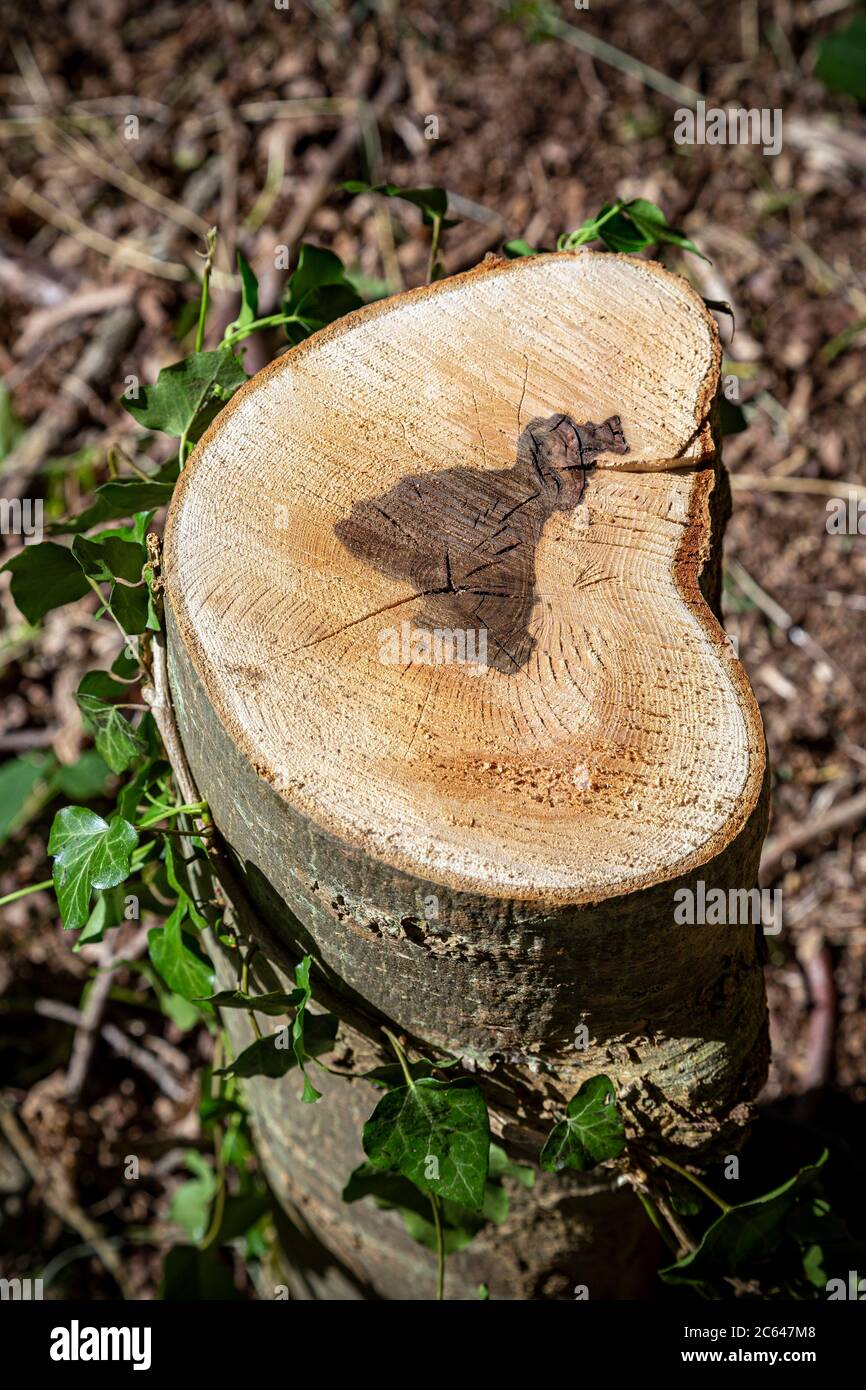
(580, 238)
(210, 243)
(696, 1182)
(656, 1220)
(196, 809)
(272, 321)
(440, 1248)
(23, 892)
(245, 985)
(107, 606)
(401, 1057)
(434, 248)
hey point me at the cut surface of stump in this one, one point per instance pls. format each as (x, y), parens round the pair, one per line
(442, 572)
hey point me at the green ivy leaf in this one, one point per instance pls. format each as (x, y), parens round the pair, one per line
(518, 247)
(119, 498)
(191, 1202)
(391, 1074)
(392, 1191)
(189, 394)
(107, 912)
(116, 740)
(273, 1004)
(274, 1055)
(318, 292)
(19, 780)
(131, 795)
(88, 853)
(432, 201)
(841, 64)
(185, 970)
(434, 1127)
(591, 1132)
(302, 981)
(249, 297)
(501, 1166)
(83, 780)
(11, 428)
(177, 874)
(731, 418)
(240, 1212)
(45, 576)
(653, 225)
(746, 1233)
(105, 558)
(632, 228)
(133, 608)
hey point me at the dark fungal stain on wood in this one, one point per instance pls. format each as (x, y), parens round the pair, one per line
(465, 538)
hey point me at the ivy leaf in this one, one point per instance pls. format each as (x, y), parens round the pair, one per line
(321, 307)
(11, 428)
(391, 1074)
(653, 225)
(518, 247)
(177, 874)
(318, 292)
(316, 267)
(746, 1233)
(436, 1133)
(88, 853)
(273, 1056)
(392, 1191)
(105, 558)
(107, 912)
(632, 228)
(133, 608)
(501, 1166)
(189, 394)
(131, 795)
(249, 297)
(185, 970)
(119, 498)
(432, 201)
(841, 64)
(191, 1202)
(19, 780)
(619, 234)
(83, 780)
(45, 576)
(302, 981)
(240, 1212)
(273, 1004)
(731, 418)
(591, 1132)
(116, 740)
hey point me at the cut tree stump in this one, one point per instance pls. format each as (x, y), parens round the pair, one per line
(442, 588)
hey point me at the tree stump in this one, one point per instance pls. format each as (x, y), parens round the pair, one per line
(442, 590)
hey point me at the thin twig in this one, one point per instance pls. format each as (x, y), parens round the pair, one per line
(842, 815)
(769, 482)
(90, 1018)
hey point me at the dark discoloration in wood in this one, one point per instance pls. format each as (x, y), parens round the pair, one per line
(465, 538)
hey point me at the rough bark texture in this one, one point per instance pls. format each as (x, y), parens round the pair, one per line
(492, 935)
